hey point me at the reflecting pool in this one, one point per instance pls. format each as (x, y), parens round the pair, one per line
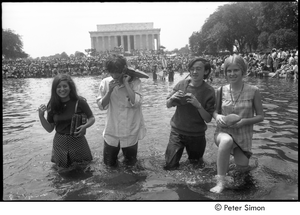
(28, 173)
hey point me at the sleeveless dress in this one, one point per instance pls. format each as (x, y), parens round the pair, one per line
(244, 107)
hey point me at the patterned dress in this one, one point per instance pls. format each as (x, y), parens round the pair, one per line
(68, 149)
(244, 107)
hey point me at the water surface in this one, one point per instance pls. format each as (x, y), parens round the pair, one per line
(28, 173)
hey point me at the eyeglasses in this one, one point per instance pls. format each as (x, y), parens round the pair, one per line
(198, 69)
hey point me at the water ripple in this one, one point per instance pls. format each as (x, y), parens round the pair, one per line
(29, 174)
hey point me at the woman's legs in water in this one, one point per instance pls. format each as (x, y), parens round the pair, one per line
(242, 165)
(225, 143)
(240, 158)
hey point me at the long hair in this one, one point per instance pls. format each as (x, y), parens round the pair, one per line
(116, 63)
(206, 65)
(55, 103)
(238, 60)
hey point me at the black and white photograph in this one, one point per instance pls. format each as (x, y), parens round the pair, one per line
(151, 102)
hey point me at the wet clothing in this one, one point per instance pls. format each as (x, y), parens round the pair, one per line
(187, 126)
(66, 148)
(154, 75)
(244, 108)
(195, 147)
(124, 125)
(171, 75)
(69, 149)
(110, 154)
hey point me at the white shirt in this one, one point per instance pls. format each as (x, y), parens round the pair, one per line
(125, 122)
(291, 59)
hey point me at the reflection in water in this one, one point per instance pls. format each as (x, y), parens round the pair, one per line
(29, 175)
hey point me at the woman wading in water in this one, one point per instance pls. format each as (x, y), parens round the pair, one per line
(242, 102)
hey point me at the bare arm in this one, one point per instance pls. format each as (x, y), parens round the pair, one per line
(82, 129)
(47, 126)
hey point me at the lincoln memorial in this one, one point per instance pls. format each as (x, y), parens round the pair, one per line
(129, 36)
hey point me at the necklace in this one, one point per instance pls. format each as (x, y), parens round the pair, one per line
(234, 102)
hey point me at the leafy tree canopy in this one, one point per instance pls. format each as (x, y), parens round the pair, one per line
(248, 26)
(12, 45)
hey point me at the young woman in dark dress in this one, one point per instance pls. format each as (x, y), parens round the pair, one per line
(67, 148)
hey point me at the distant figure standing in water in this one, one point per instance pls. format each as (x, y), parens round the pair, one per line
(171, 73)
(195, 103)
(154, 72)
(164, 74)
(121, 96)
(67, 148)
(242, 103)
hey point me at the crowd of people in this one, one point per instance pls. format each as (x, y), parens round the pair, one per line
(25, 68)
(278, 63)
(81, 66)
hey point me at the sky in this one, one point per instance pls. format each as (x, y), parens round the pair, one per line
(52, 28)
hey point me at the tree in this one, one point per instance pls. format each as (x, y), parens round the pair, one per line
(193, 42)
(231, 25)
(285, 38)
(248, 26)
(280, 21)
(240, 18)
(64, 56)
(176, 50)
(79, 54)
(277, 15)
(12, 45)
(263, 40)
(184, 50)
(219, 38)
(216, 33)
(56, 56)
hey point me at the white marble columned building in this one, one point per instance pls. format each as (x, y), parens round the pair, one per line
(131, 36)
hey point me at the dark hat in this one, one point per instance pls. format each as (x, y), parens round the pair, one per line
(136, 73)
